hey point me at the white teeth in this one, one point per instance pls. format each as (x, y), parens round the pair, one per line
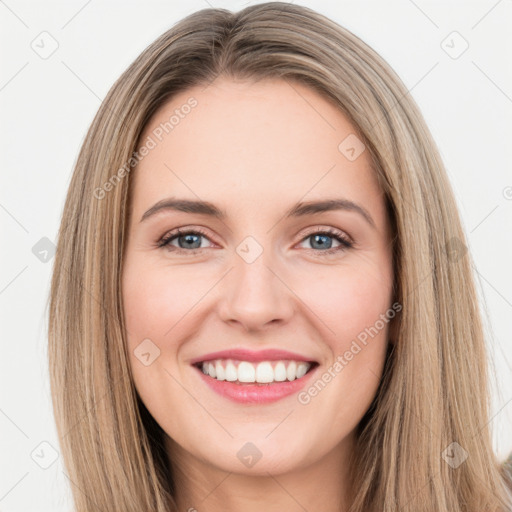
(263, 372)
(231, 373)
(301, 370)
(280, 372)
(246, 372)
(291, 371)
(219, 370)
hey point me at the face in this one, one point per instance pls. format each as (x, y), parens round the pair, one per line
(304, 284)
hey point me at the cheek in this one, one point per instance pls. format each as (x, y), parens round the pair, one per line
(355, 313)
(155, 299)
(353, 305)
(348, 301)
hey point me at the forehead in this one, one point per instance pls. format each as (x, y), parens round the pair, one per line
(266, 142)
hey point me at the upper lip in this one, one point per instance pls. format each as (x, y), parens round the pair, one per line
(251, 355)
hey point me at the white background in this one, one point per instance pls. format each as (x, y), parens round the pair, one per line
(48, 104)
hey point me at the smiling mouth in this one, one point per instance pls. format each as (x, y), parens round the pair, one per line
(262, 373)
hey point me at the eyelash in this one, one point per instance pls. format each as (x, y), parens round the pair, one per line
(345, 243)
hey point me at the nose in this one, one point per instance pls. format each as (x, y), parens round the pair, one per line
(255, 295)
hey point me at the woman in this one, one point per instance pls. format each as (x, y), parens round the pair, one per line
(321, 347)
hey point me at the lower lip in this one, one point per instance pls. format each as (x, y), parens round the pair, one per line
(256, 393)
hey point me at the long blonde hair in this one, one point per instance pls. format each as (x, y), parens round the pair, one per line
(434, 391)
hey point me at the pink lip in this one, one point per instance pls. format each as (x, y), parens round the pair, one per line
(256, 393)
(249, 355)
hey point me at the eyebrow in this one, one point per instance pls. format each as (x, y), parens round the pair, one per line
(298, 210)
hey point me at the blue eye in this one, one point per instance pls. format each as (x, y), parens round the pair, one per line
(321, 238)
(189, 241)
(186, 239)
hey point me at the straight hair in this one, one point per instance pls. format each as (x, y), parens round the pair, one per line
(435, 389)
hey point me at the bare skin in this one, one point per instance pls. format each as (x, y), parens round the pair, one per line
(255, 150)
